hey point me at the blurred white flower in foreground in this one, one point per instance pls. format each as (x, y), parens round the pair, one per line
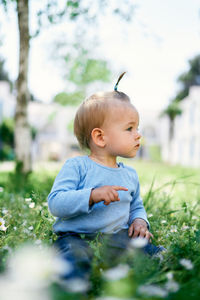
(28, 199)
(173, 228)
(30, 270)
(172, 286)
(169, 275)
(1, 189)
(186, 263)
(116, 273)
(32, 205)
(4, 211)
(150, 215)
(185, 227)
(163, 221)
(138, 242)
(76, 285)
(152, 290)
(2, 225)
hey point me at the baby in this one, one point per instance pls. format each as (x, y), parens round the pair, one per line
(93, 193)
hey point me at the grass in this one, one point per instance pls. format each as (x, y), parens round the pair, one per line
(171, 197)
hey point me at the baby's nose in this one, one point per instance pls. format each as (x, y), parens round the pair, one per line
(138, 136)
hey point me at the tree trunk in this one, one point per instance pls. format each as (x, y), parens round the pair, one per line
(22, 128)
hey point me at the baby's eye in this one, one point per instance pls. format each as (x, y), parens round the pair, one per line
(129, 129)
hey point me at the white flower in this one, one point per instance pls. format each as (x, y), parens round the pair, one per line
(30, 228)
(186, 263)
(163, 221)
(32, 205)
(138, 242)
(43, 265)
(173, 228)
(172, 286)
(1, 189)
(76, 285)
(2, 225)
(116, 273)
(15, 228)
(169, 275)
(152, 290)
(185, 227)
(28, 199)
(11, 290)
(4, 211)
(150, 215)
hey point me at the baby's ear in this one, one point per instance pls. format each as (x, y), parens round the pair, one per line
(97, 136)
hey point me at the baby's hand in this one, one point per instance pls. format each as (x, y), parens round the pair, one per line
(106, 193)
(139, 229)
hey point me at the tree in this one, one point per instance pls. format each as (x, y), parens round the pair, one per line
(172, 111)
(187, 79)
(52, 13)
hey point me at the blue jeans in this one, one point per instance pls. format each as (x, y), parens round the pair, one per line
(75, 249)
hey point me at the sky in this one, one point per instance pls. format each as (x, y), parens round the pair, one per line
(154, 49)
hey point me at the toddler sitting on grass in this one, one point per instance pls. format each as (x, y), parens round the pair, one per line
(94, 194)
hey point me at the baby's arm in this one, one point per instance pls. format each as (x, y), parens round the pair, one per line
(138, 222)
(66, 199)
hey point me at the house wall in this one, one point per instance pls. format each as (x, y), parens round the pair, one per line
(185, 146)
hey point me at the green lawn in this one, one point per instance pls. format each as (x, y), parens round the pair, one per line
(171, 197)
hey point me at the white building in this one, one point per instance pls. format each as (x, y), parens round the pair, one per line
(185, 145)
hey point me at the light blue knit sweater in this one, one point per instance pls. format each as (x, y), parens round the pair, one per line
(69, 197)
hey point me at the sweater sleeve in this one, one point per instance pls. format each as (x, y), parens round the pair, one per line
(65, 199)
(137, 208)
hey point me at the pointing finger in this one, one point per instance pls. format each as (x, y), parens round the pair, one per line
(119, 188)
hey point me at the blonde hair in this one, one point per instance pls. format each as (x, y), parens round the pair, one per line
(92, 112)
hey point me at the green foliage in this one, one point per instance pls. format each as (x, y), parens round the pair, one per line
(172, 110)
(189, 78)
(82, 71)
(86, 70)
(186, 80)
(7, 139)
(69, 98)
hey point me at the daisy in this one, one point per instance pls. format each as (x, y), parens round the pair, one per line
(138, 242)
(2, 225)
(186, 263)
(116, 273)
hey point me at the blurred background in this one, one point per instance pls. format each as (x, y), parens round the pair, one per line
(76, 48)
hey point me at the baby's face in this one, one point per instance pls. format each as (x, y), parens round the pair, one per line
(121, 130)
